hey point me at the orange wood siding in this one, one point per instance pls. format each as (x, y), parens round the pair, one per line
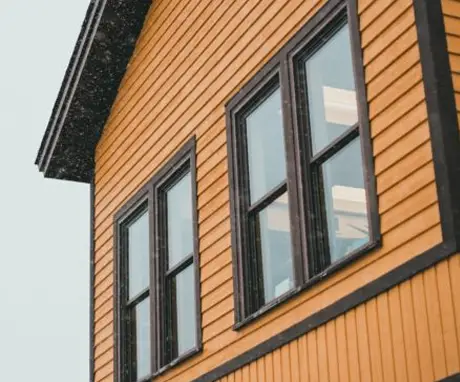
(191, 58)
(451, 10)
(408, 334)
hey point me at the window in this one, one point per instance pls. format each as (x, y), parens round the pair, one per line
(301, 166)
(158, 303)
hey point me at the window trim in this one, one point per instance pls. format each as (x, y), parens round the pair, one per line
(326, 19)
(183, 160)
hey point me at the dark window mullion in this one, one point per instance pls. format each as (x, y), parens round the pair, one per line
(180, 266)
(170, 319)
(253, 265)
(309, 179)
(268, 198)
(320, 244)
(138, 298)
(336, 145)
(154, 353)
(162, 263)
(131, 341)
(295, 197)
(249, 290)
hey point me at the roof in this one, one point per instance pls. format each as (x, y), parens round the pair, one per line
(96, 68)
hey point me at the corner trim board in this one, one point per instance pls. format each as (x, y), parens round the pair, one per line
(382, 284)
(442, 113)
(91, 280)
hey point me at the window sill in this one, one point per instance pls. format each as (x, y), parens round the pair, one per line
(184, 357)
(332, 269)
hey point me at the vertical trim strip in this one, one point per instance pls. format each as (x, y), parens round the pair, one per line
(442, 113)
(92, 189)
(364, 123)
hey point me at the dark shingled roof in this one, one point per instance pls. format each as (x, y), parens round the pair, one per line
(97, 66)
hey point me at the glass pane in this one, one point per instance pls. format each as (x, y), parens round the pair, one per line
(275, 246)
(331, 90)
(185, 310)
(345, 201)
(142, 338)
(267, 166)
(138, 255)
(180, 225)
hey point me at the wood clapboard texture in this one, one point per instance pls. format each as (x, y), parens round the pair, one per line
(410, 333)
(451, 10)
(191, 58)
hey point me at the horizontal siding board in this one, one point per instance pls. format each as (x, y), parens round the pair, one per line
(216, 280)
(218, 295)
(219, 262)
(414, 142)
(160, 59)
(393, 72)
(407, 187)
(397, 89)
(214, 249)
(217, 311)
(219, 238)
(399, 129)
(405, 166)
(386, 20)
(451, 8)
(409, 207)
(451, 25)
(453, 44)
(399, 24)
(389, 53)
(373, 12)
(394, 112)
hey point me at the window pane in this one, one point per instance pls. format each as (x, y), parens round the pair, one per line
(331, 90)
(275, 246)
(345, 201)
(184, 287)
(138, 255)
(267, 167)
(180, 226)
(142, 338)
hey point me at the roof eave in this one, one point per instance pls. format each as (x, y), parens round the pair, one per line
(96, 68)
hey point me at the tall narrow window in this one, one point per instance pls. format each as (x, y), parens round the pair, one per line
(334, 163)
(301, 166)
(158, 306)
(263, 196)
(135, 294)
(176, 258)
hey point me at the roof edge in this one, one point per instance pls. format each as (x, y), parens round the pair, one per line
(98, 63)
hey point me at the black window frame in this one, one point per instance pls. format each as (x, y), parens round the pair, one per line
(309, 268)
(151, 199)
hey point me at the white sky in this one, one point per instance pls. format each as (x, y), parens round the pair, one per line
(44, 224)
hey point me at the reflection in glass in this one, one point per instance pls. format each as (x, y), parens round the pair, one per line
(331, 90)
(138, 255)
(275, 247)
(180, 235)
(345, 201)
(265, 139)
(185, 310)
(142, 322)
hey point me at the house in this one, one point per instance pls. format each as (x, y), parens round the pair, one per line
(275, 187)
